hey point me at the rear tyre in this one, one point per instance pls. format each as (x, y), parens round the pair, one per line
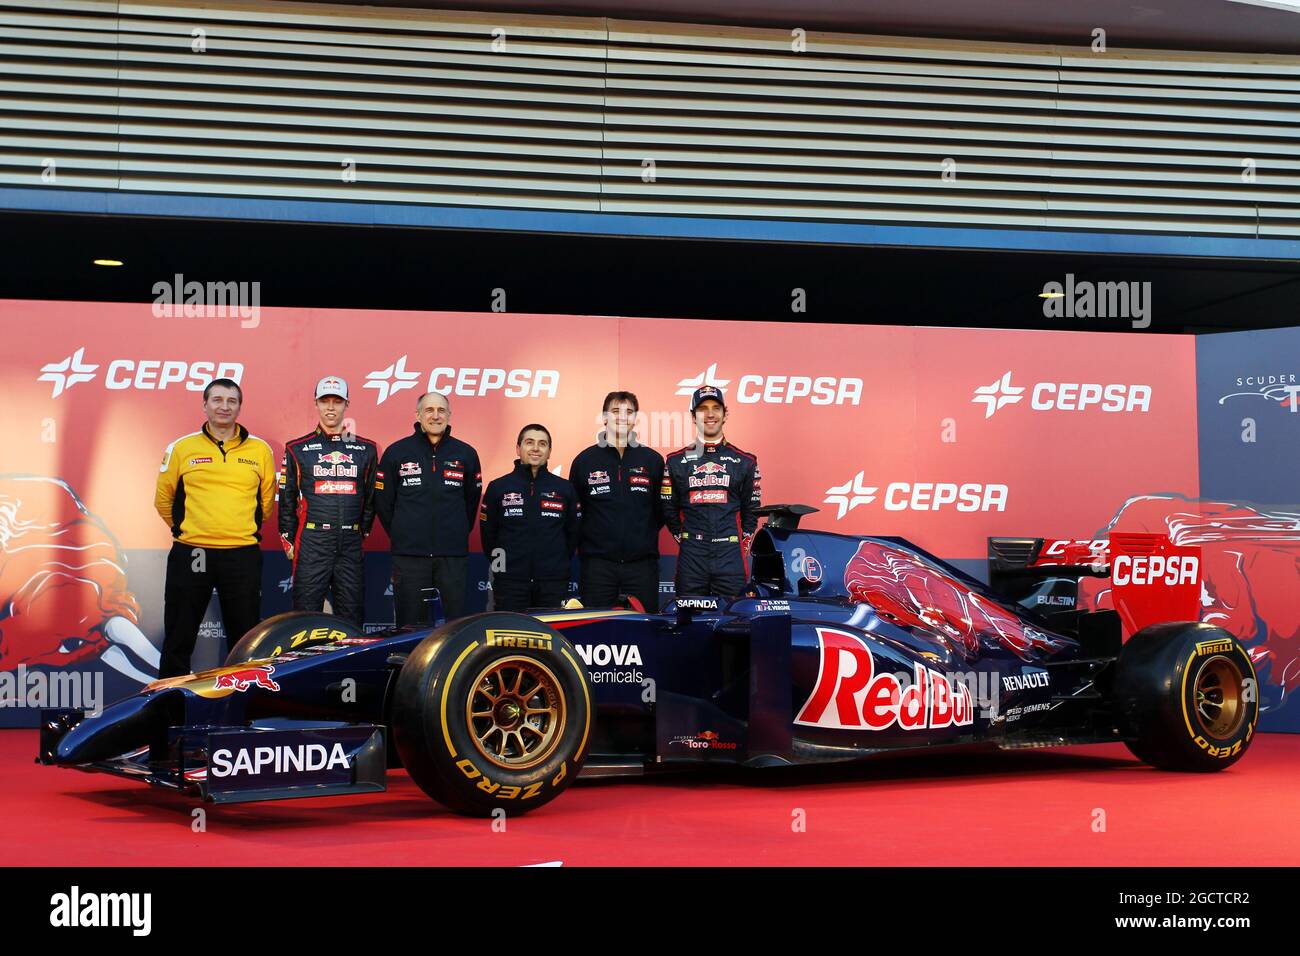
(1189, 696)
(493, 711)
(290, 631)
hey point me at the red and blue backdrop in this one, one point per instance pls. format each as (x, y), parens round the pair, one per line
(944, 436)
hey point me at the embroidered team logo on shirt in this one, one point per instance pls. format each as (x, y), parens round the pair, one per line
(708, 496)
(512, 505)
(336, 487)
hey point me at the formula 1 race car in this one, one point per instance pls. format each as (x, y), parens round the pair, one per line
(841, 648)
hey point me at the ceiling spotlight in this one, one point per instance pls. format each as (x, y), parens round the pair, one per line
(108, 262)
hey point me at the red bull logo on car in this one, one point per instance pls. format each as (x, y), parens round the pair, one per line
(851, 695)
(223, 681)
(243, 678)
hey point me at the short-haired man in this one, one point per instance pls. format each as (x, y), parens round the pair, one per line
(426, 496)
(215, 487)
(530, 528)
(616, 484)
(711, 498)
(327, 490)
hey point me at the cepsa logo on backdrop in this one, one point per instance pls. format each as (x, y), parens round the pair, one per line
(944, 436)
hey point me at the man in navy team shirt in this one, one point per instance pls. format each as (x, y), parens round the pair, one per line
(617, 483)
(529, 528)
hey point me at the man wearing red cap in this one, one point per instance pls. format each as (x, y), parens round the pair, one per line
(327, 491)
(711, 498)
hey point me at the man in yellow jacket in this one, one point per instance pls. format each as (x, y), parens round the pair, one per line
(215, 487)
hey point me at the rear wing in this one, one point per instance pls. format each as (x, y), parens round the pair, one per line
(785, 516)
(1150, 579)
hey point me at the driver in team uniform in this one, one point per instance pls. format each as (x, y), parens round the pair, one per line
(711, 496)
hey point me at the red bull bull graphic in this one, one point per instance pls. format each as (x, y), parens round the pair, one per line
(223, 681)
(246, 677)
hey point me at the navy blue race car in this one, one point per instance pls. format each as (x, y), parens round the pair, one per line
(841, 648)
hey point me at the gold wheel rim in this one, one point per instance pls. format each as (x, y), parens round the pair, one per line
(1217, 698)
(516, 712)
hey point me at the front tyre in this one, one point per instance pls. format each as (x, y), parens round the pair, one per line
(290, 631)
(492, 711)
(1189, 695)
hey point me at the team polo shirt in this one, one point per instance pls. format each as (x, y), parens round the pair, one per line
(214, 494)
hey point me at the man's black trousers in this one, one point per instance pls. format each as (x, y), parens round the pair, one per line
(330, 561)
(192, 574)
(515, 594)
(601, 581)
(412, 574)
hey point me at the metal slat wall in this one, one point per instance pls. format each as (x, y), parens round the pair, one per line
(649, 118)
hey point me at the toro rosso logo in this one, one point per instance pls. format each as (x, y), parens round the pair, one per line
(246, 677)
(850, 695)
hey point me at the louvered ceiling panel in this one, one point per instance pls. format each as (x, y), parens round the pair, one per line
(512, 111)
